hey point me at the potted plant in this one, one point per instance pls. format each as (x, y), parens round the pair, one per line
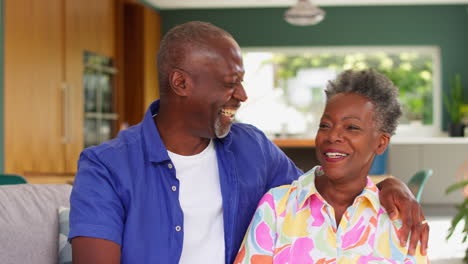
(453, 101)
(462, 214)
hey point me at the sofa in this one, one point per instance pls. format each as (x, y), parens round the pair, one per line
(32, 216)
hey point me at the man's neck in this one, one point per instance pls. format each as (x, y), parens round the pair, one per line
(176, 138)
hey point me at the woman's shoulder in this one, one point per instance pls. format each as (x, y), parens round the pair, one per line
(282, 195)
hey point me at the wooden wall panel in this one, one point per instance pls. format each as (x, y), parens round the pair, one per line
(133, 63)
(119, 92)
(90, 26)
(33, 77)
(142, 35)
(152, 34)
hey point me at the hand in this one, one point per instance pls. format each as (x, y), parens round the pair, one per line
(398, 200)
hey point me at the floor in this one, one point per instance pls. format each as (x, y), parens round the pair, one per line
(442, 251)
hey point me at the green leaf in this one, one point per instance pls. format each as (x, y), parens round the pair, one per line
(456, 186)
(453, 99)
(456, 219)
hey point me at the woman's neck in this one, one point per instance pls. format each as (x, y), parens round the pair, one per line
(340, 194)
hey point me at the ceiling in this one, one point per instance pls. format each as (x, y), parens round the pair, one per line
(180, 4)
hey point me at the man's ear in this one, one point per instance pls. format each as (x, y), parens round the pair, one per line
(180, 83)
(384, 140)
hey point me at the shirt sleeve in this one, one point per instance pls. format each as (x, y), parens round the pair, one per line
(96, 209)
(282, 170)
(259, 241)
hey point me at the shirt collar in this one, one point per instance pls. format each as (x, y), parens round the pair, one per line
(306, 188)
(154, 146)
(371, 193)
(227, 140)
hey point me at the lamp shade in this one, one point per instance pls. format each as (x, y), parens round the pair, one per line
(304, 13)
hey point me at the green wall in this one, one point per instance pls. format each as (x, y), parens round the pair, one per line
(445, 26)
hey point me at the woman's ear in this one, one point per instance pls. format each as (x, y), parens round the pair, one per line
(384, 140)
(180, 83)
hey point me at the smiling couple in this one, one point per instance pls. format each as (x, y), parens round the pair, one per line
(182, 186)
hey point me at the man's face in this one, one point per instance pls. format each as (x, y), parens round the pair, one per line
(348, 137)
(216, 74)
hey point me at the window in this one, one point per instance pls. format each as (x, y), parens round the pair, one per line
(286, 86)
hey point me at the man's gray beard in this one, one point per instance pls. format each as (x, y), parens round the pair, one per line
(218, 132)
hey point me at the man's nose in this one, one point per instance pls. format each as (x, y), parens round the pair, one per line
(240, 93)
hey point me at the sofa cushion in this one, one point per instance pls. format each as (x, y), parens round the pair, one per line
(29, 222)
(64, 250)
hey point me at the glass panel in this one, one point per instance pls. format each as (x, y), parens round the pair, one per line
(105, 131)
(98, 99)
(106, 93)
(89, 80)
(91, 136)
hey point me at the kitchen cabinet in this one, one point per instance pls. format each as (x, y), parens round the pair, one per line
(45, 43)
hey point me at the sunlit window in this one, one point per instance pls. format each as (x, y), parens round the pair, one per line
(286, 86)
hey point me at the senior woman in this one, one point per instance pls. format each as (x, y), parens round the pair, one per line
(332, 213)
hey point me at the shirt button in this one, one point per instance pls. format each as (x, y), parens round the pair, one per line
(169, 166)
(178, 228)
(174, 188)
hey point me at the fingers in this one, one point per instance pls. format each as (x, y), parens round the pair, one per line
(387, 199)
(398, 201)
(407, 221)
(424, 239)
(393, 214)
(419, 232)
(414, 239)
(410, 219)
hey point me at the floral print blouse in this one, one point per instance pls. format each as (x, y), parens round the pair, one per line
(293, 224)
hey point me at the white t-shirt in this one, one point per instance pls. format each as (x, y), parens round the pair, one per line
(201, 202)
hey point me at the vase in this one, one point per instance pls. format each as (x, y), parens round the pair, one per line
(456, 129)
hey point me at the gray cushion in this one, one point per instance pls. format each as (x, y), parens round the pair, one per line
(29, 222)
(64, 250)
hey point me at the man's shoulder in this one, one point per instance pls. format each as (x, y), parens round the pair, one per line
(246, 128)
(126, 141)
(246, 131)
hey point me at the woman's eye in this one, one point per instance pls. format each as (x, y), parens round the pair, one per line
(323, 125)
(354, 128)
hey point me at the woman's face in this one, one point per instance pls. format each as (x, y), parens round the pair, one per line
(348, 137)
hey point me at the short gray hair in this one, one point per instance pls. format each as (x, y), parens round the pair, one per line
(377, 88)
(177, 41)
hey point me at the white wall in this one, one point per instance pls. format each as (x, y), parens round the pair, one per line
(445, 157)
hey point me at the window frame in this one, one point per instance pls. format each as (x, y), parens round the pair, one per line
(403, 130)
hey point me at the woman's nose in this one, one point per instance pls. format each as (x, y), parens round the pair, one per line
(335, 134)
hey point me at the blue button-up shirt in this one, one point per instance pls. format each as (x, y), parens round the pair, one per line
(126, 190)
